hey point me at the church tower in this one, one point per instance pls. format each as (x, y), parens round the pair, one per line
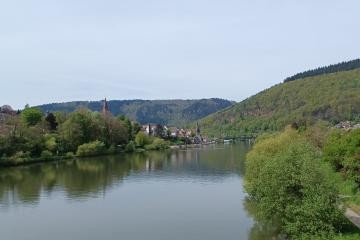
(105, 108)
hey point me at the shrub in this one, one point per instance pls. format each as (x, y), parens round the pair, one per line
(158, 144)
(70, 154)
(91, 149)
(141, 139)
(342, 151)
(46, 154)
(130, 147)
(19, 157)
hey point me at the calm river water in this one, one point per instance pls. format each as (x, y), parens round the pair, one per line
(193, 194)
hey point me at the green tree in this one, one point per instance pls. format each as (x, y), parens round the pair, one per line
(51, 120)
(114, 131)
(290, 185)
(31, 116)
(142, 139)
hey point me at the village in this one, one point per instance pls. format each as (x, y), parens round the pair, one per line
(178, 135)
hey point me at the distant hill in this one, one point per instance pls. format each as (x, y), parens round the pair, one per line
(170, 112)
(339, 67)
(331, 97)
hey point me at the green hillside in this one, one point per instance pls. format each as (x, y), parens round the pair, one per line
(170, 112)
(332, 97)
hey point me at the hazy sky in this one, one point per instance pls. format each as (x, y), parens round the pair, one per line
(55, 51)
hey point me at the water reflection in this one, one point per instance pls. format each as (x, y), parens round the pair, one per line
(84, 178)
(193, 194)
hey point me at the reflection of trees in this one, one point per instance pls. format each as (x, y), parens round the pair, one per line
(94, 176)
(261, 229)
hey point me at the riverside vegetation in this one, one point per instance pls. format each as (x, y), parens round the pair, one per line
(301, 180)
(31, 137)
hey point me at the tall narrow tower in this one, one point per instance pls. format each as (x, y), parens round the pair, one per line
(105, 109)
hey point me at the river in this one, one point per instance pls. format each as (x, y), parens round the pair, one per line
(194, 194)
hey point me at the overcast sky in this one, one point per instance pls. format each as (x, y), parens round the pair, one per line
(65, 50)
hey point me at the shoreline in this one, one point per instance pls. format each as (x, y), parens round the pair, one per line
(7, 163)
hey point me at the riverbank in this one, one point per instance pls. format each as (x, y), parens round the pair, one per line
(8, 162)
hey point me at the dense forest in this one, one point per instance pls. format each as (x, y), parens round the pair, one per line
(343, 66)
(166, 112)
(331, 97)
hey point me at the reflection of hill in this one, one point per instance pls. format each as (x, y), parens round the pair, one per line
(92, 177)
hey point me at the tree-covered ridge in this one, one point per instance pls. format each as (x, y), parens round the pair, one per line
(169, 112)
(333, 68)
(332, 97)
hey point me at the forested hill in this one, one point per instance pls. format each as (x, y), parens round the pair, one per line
(331, 97)
(171, 112)
(339, 67)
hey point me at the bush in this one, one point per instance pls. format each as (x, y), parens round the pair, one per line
(70, 155)
(130, 147)
(342, 151)
(19, 157)
(158, 144)
(289, 183)
(141, 139)
(46, 154)
(91, 149)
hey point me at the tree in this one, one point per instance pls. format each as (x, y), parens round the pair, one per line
(31, 116)
(290, 185)
(51, 120)
(114, 131)
(142, 139)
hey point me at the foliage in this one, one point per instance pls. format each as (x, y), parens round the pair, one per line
(348, 237)
(331, 98)
(285, 177)
(46, 154)
(70, 154)
(31, 116)
(114, 131)
(142, 139)
(91, 149)
(166, 112)
(83, 131)
(158, 144)
(50, 142)
(343, 66)
(342, 151)
(51, 120)
(130, 147)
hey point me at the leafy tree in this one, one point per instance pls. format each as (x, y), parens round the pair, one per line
(342, 150)
(51, 120)
(114, 131)
(142, 139)
(70, 135)
(290, 185)
(81, 127)
(31, 116)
